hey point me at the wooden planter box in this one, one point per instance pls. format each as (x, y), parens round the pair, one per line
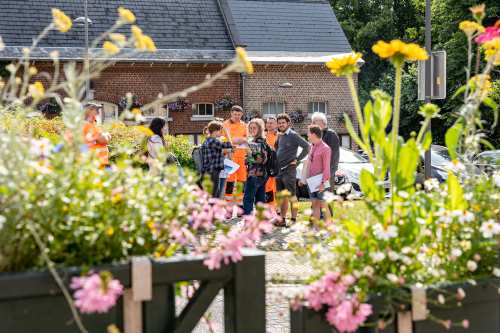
(481, 307)
(32, 302)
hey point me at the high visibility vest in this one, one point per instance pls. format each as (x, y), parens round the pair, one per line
(237, 130)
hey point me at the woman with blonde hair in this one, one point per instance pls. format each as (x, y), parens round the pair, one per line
(257, 154)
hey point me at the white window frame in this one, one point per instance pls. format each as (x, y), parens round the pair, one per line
(203, 117)
(265, 114)
(314, 107)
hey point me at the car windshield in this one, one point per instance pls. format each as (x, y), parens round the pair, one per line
(347, 156)
(489, 158)
(440, 157)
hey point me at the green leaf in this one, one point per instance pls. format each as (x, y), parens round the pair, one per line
(455, 193)
(370, 186)
(494, 106)
(409, 158)
(452, 138)
(426, 143)
(459, 91)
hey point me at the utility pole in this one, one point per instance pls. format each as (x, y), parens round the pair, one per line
(428, 78)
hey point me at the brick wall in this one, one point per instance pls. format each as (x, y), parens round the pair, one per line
(310, 83)
(148, 81)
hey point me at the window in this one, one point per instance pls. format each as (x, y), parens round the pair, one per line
(345, 140)
(274, 108)
(317, 107)
(203, 109)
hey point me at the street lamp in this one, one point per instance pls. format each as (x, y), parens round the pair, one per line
(428, 80)
(86, 22)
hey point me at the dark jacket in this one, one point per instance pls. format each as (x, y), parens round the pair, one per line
(331, 138)
(287, 147)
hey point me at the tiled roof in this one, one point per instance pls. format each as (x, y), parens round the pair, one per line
(161, 55)
(173, 24)
(288, 25)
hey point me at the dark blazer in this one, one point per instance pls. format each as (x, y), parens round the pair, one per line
(331, 138)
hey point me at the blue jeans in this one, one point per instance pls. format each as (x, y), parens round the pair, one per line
(255, 191)
(220, 188)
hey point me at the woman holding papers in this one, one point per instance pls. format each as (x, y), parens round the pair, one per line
(317, 172)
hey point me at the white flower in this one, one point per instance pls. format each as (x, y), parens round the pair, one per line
(377, 256)
(403, 194)
(393, 255)
(466, 245)
(385, 232)
(41, 147)
(496, 272)
(467, 217)
(431, 184)
(496, 178)
(460, 294)
(421, 221)
(392, 277)
(441, 299)
(490, 228)
(468, 196)
(330, 197)
(471, 265)
(2, 221)
(456, 253)
(368, 271)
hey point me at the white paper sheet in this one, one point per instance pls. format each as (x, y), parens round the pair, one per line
(314, 182)
(230, 167)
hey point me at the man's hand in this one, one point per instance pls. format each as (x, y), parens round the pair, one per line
(321, 187)
(294, 162)
(301, 183)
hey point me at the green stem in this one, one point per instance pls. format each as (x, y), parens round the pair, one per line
(423, 129)
(395, 132)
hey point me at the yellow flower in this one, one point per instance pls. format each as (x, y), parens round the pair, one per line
(110, 48)
(118, 38)
(478, 11)
(61, 20)
(36, 90)
(243, 61)
(492, 50)
(483, 83)
(145, 130)
(136, 111)
(398, 51)
(110, 231)
(126, 15)
(345, 65)
(136, 32)
(33, 71)
(469, 28)
(149, 43)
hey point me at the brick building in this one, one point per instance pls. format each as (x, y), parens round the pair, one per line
(287, 40)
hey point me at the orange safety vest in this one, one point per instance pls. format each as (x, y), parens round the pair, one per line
(90, 134)
(271, 139)
(237, 130)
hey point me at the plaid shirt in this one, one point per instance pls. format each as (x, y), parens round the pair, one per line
(211, 152)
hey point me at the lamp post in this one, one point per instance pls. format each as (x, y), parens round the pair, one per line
(86, 22)
(428, 79)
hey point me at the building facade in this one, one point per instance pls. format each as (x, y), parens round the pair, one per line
(288, 41)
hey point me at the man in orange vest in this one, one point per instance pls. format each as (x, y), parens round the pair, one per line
(237, 130)
(93, 136)
(271, 136)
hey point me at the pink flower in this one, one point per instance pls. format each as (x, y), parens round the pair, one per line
(96, 292)
(489, 34)
(346, 317)
(446, 324)
(465, 323)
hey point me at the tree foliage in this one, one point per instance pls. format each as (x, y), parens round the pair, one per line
(367, 21)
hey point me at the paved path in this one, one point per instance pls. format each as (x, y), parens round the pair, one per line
(281, 268)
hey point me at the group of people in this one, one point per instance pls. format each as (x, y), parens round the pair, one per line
(267, 155)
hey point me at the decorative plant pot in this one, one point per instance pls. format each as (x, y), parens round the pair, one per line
(481, 308)
(32, 302)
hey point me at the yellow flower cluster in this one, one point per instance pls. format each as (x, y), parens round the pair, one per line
(126, 15)
(478, 11)
(345, 65)
(398, 51)
(142, 42)
(470, 27)
(36, 90)
(110, 48)
(62, 22)
(492, 50)
(242, 59)
(483, 83)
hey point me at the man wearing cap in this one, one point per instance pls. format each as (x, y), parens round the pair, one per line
(93, 136)
(237, 131)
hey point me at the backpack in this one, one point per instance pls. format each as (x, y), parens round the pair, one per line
(272, 166)
(197, 157)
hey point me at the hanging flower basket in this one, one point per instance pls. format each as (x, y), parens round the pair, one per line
(251, 115)
(178, 106)
(224, 104)
(297, 116)
(129, 103)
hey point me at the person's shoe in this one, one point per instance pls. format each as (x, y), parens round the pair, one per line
(279, 222)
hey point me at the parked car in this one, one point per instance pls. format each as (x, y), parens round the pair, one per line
(488, 161)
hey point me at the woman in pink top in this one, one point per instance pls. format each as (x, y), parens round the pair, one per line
(319, 164)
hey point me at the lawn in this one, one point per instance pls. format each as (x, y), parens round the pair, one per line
(346, 209)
